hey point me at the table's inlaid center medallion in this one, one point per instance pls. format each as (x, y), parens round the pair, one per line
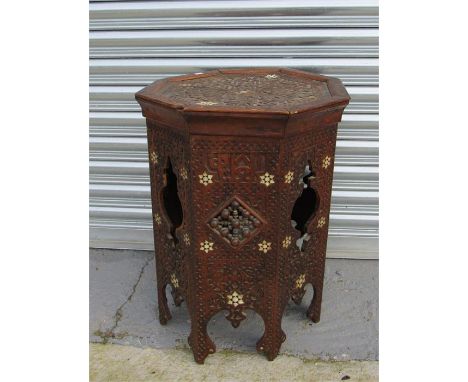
(235, 222)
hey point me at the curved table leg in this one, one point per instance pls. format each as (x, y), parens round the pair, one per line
(272, 338)
(315, 307)
(164, 312)
(199, 341)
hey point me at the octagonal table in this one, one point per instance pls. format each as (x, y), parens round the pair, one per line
(241, 166)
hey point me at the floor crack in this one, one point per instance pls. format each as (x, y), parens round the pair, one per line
(119, 312)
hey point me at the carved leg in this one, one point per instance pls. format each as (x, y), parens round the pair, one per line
(297, 295)
(315, 306)
(164, 312)
(272, 339)
(178, 299)
(199, 341)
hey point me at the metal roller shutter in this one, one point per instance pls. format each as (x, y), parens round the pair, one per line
(133, 43)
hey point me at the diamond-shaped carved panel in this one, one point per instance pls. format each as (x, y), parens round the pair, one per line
(236, 222)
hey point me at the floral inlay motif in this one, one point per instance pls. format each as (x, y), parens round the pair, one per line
(187, 239)
(154, 158)
(267, 179)
(205, 178)
(300, 281)
(183, 173)
(287, 241)
(326, 162)
(206, 246)
(235, 299)
(264, 246)
(321, 222)
(157, 219)
(289, 177)
(174, 281)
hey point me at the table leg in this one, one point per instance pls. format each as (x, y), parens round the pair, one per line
(199, 340)
(272, 338)
(164, 312)
(315, 307)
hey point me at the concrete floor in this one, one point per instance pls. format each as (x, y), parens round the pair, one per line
(123, 310)
(131, 364)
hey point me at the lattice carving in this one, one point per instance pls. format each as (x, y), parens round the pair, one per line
(236, 222)
(253, 91)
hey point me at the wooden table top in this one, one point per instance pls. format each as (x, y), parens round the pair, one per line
(258, 90)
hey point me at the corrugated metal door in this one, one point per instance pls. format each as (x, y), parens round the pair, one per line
(134, 43)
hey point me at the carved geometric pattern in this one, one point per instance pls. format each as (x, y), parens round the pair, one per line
(228, 166)
(278, 90)
(235, 223)
(236, 316)
(163, 144)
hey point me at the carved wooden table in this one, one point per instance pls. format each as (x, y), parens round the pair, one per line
(241, 166)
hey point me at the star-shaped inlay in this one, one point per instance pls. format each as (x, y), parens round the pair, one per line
(326, 162)
(183, 173)
(267, 179)
(235, 299)
(289, 177)
(287, 241)
(300, 281)
(154, 158)
(205, 178)
(264, 246)
(321, 222)
(174, 281)
(157, 219)
(206, 246)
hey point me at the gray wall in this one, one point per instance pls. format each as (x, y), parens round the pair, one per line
(134, 43)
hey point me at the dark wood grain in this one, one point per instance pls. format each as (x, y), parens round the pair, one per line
(242, 135)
